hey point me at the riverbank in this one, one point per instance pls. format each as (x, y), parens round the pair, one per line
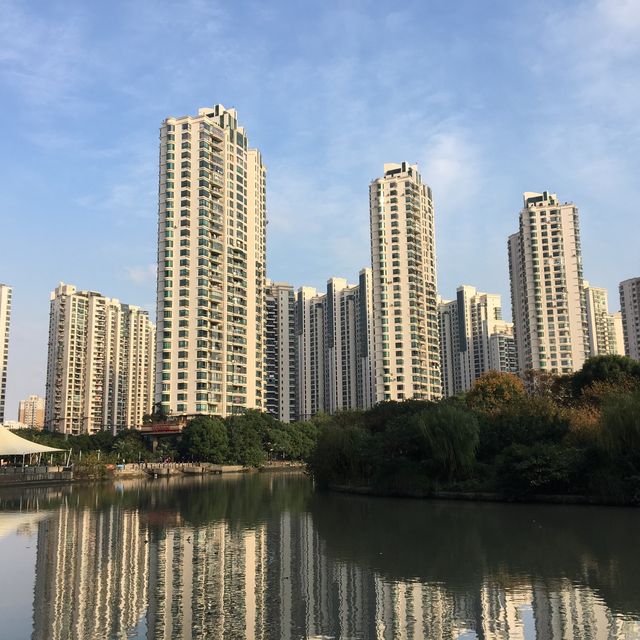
(32, 476)
(36, 476)
(482, 496)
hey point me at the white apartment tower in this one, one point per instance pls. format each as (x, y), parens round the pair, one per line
(310, 345)
(211, 267)
(547, 287)
(333, 345)
(403, 258)
(100, 364)
(5, 319)
(341, 345)
(630, 310)
(31, 412)
(366, 349)
(280, 351)
(604, 328)
(474, 339)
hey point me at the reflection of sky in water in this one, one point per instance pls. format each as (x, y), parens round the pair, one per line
(262, 557)
(17, 563)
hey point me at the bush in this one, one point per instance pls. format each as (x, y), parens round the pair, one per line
(539, 468)
(444, 439)
(620, 433)
(339, 455)
(530, 420)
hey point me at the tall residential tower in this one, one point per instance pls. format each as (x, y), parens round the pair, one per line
(5, 319)
(403, 259)
(31, 412)
(100, 365)
(630, 309)
(547, 286)
(604, 328)
(281, 351)
(211, 267)
(474, 339)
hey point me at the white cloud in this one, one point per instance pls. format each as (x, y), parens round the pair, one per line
(141, 275)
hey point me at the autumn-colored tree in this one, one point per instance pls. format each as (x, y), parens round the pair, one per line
(494, 391)
(584, 425)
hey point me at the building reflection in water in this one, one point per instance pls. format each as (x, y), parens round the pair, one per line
(247, 569)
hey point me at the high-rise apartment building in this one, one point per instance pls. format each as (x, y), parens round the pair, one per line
(403, 257)
(630, 310)
(310, 346)
(341, 345)
(100, 364)
(474, 339)
(280, 351)
(366, 349)
(211, 267)
(547, 290)
(5, 320)
(604, 328)
(333, 346)
(31, 412)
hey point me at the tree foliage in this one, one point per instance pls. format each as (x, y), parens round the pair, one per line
(494, 391)
(205, 439)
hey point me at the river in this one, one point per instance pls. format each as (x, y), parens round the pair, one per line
(264, 556)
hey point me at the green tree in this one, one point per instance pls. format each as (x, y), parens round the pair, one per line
(532, 419)
(542, 467)
(205, 439)
(612, 370)
(248, 434)
(129, 446)
(445, 438)
(620, 433)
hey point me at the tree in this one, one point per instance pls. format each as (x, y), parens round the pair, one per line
(247, 435)
(446, 438)
(532, 419)
(620, 434)
(205, 439)
(159, 414)
(612, 370)
(493, 391)
(129, 446)
(542, 467)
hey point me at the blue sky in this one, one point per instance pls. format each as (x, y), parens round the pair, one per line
(490, 99)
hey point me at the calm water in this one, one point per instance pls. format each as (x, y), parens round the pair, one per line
(262, 556)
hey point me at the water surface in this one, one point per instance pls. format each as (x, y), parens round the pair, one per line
(263, 556)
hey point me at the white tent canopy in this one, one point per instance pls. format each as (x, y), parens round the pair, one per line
(13, 445)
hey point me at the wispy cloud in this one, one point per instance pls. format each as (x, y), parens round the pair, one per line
(41, 59)
(141, 275)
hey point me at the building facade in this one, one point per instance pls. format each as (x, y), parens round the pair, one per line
(100, 363)
(31, 412)
(310, 332)
(280, 351)
(334, 343)
(403, 259)
(474, 339)
(630, 312)
(604, 328)
(547, 286)
(5, 321)
(366, 348)
(211, 267)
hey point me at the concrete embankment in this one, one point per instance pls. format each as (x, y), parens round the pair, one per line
(34, 476)
(56, 475)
